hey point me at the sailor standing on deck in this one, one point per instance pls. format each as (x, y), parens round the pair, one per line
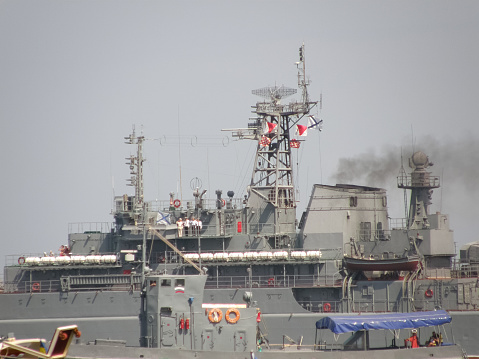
(199, 226)
(194, 226)
(180, 225)
(412, 339)
(187, 226)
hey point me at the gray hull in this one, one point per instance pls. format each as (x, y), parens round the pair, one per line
(92, 351)
(115, 315)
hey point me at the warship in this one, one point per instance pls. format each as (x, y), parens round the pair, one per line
(343, 256)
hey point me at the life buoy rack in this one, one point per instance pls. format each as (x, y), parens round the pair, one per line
(271, 282)
(327, 307)
(21, 260)
(62, 335)
(428, 293)
(36, 287)
(177, 203)
(215, 315)
(228, 317)
(223, 202)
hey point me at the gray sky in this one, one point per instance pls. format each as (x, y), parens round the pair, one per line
(76, 75)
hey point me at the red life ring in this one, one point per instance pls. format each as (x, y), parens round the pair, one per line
(223, 202)
(428, 293)
(21, 260)
(177, 203)
(271, 282)
(36, 287)
(327, 307)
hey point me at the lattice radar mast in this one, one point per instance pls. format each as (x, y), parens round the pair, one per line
(272, 177)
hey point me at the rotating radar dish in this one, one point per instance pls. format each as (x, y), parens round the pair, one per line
(274, 93)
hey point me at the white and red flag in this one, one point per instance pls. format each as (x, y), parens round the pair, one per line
(301, 130)
(269, 127)
(264, 141)
(294, 143)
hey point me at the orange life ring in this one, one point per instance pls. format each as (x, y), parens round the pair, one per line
(21, 260)
(428, 293)
(327, 307)
(36, 287)
(223, 202)
(234, 319)
(62, 335)
(271, 282)
(177, 203)
(215, 315)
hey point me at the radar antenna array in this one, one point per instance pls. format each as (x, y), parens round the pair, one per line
(274, 93)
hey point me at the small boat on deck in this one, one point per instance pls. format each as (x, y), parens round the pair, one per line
(409, 263)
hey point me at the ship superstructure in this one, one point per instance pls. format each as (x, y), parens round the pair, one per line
(344, 255)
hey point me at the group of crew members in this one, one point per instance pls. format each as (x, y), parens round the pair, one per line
(64, 250)
(434, 340)
(189, 227)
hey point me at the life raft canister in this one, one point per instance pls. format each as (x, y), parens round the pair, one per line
(215, 315)
(232, 320)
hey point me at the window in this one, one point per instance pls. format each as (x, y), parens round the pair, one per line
(365, 231)
(165, 311)
(353, 201)
(380, 232)
(166, 282)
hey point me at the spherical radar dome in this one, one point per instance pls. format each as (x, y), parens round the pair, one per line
(420, 159)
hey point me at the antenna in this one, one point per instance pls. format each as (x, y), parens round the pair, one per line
(403, 176)
(136, 168)
(179, 155)
(302, 82)
(412, 138)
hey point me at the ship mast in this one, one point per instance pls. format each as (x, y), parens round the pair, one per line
(272, 177)
(136, 171)
(421, 184)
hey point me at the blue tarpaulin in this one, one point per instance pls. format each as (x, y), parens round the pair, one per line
(352, 323)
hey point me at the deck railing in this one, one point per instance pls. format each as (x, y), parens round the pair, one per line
(77, 284)
(271, 281)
